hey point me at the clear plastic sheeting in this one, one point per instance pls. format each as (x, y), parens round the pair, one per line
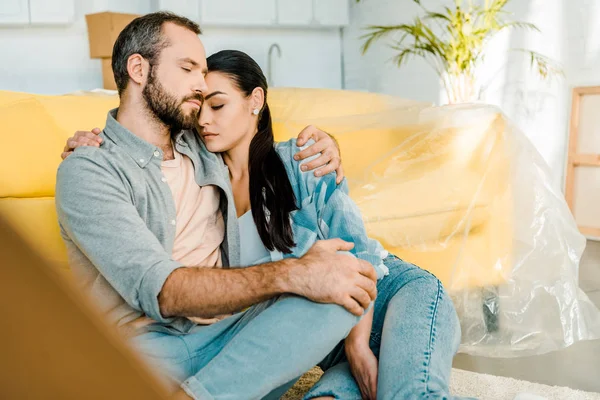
(461, 192)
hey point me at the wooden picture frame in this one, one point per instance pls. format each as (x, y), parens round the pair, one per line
(583, 154)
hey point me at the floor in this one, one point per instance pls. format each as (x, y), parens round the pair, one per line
(577, 367)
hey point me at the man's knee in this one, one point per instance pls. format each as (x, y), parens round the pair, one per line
(320, 317)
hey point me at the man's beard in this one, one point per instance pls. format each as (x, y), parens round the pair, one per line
(167, 108)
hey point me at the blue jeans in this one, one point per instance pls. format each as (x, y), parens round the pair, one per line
(261, 352)
(250, 354)
(415, 335)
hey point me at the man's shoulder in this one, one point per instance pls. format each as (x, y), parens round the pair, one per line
(95, 176)
(88, 160)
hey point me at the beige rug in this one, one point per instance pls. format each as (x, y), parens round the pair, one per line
(467, 383)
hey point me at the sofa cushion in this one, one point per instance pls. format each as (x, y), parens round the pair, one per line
(32, 144)
(292, 104)
(36, 128)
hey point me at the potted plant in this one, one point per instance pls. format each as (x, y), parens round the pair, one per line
(453, 41)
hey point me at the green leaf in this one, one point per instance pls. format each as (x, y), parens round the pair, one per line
(544, 65)
(520, 25)
(436, 15)
(378, 32)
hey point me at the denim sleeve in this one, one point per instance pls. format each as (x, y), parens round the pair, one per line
(95, 209)
(337, 214)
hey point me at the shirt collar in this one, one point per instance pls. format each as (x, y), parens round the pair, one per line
(140, 150)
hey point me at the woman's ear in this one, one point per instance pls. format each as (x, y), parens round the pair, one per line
(138, 68)
(257, 99)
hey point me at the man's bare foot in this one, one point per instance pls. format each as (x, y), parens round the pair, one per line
(180, 395)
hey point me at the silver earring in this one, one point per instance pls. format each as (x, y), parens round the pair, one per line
(256, 111)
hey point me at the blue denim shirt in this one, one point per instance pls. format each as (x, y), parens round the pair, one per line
(326, 211)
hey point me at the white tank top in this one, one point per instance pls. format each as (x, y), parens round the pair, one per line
(252, 249)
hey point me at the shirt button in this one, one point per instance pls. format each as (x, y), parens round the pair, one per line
(141, 160)
(163, 179)
(156, 153)
(173, 222)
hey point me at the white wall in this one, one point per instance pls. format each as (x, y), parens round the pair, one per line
(570, 34)
(56, 60)
(374, 71)
(309, 57)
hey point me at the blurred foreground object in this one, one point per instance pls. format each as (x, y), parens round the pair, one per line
(54, 346)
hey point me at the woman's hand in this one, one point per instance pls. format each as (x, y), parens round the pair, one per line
(363, 363)
(330, 159)
(81, 138)
(364, 367)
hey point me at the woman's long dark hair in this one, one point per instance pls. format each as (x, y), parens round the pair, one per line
(271, 192)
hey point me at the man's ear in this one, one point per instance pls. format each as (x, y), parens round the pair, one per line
(257, 98)
(138, 68)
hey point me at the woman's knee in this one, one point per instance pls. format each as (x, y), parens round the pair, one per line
(444, 310)
(412, 279)
(423, 287)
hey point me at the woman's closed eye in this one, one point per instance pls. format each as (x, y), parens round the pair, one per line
(217, 107)
(186, 69)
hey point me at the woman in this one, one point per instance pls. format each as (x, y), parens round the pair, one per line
(403, 346)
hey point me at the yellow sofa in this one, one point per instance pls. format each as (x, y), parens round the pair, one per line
(433, 191)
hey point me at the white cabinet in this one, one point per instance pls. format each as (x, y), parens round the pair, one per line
(294, 12)
(14, 12)
(37, 12)
(51, 11)
(238, 12)
(265, 13)
(185, 8)
(331, 12)
(325, 13)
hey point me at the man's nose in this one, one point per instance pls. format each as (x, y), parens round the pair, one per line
(200, 87)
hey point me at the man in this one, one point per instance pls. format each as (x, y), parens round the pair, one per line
(119, 219)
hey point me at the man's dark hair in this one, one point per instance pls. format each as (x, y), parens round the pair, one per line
(144, 36)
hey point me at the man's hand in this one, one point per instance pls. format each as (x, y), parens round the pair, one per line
(326, 276)
(364, 367)
(81, 138)
(330, 159)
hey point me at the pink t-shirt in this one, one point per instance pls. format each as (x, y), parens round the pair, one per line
(200, 228)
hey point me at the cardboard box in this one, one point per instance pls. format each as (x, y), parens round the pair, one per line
(103, 30)
(108, 77)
